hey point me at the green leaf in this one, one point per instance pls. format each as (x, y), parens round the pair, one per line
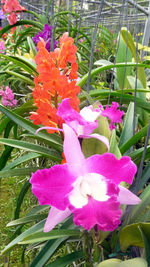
(114, 149)
(127, 131)
(38, 209)
(54, 140)
(52, 154)
(141, 212)
(68, 259)
(41, 236)
(138, 262)
(21, 77)
(20, 198)
(131, 235)
(142, 113)
(100, 95)
(133, 140)
(103, 62)
(21, 62)
(103, 68)
(123, 55)
(27, 219)
(32, 45)
(35, 228)
(145, 176)
(18, 172)
(146, 241)
(51, 246)
(20, 160)
(5, 156)
(127, 37)
(22, 22)
(137, 154)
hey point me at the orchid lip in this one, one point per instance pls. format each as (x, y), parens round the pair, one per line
(89, 185)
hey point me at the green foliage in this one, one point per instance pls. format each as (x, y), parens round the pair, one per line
(131, 235)
(123, 55)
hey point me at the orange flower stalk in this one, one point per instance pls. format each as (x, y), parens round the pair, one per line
(56, 81)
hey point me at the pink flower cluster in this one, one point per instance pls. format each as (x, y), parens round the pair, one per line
(8, 97)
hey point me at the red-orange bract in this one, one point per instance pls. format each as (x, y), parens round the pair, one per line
(56, 81)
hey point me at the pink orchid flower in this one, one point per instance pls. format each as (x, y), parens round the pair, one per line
(86, 121)
(87, 188)
(113, 113)
(83, 123)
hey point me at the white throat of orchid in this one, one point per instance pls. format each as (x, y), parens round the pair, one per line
(89, 114)
(90, 185)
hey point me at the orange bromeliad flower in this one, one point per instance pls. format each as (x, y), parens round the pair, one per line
(56, 81)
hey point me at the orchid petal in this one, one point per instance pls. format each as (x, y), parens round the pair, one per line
(127, 197)
(52, 186)
(68, 114)
(49, 128)
(106, 215)
(72, 148)
(111, 168)
(55, 216)
(75, 119)
(99, 137)
(113, 114)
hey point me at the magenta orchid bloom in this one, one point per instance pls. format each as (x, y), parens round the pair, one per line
(86, 121)
(87, 188)
(113, 113)
(82, 123)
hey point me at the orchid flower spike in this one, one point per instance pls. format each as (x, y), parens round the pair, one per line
(87, 188)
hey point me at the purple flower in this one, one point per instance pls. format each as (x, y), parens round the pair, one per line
(2, 16)
(87, 188)
(8, 97)
(46, 36)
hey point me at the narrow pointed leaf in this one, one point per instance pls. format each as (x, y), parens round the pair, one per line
(32, 147)
(40, 237)
(54, 140)
(35, 228)
(68, 259)
(27, 219)
(20, 160)
(18, 172)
